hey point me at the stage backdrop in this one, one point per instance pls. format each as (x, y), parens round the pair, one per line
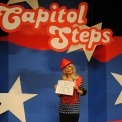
(35, 36)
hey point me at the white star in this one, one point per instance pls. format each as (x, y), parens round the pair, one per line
(119, 79)
(80, 46)
(13, 101)
(33, 3)
(119, 99)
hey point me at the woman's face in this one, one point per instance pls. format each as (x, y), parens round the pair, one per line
(68, 70)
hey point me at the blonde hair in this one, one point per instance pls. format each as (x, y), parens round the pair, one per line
(75, 76)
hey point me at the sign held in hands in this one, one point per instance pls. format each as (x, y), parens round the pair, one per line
(65, 87)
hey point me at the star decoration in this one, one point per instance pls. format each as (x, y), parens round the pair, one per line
(80, 46)
(33, 3)
(119, 79)
(13, 101)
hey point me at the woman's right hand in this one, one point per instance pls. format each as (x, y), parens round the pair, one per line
(55, 86)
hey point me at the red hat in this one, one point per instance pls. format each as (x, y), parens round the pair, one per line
(65, 62)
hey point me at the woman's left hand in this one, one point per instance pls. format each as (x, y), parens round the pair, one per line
(78, 90)
(76, 87)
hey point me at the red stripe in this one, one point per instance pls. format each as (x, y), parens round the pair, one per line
(27, 37)
(108, 52)
(116, 121)
(39, 40)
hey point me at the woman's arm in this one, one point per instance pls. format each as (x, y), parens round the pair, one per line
(81, 90)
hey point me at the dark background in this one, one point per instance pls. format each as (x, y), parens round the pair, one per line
(2, 33)
(109, 12)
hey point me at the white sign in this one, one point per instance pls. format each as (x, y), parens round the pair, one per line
(65, 87)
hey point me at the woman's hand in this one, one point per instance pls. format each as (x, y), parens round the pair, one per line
(76, 88)
(79, 91)
(55, 86)
(55, 89)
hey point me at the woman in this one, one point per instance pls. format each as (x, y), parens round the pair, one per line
(69, 107)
